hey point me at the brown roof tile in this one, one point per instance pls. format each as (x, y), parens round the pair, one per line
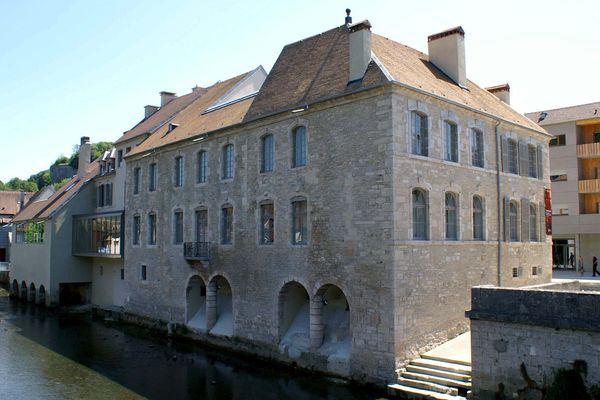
(9, 202)
(567, 114)
(163, 115)
(44, 209)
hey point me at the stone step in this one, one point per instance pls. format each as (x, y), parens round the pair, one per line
(437, 379)
(438, 372)
(442, 365)
(446, 359)
(411, 393)
(434, 387)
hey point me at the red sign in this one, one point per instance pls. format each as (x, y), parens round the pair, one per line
(548, 211)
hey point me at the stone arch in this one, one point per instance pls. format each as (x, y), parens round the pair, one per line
(14, 289)
(31, 294)
(196, 303)
(219, 306)
(294, 319)
(23, 292)
(41, 298)
(330, 331)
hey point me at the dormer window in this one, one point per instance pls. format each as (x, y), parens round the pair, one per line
(172, 127)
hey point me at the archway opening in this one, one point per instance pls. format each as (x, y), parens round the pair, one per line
(196, 303)
(220, 307)
(335, 322)
(42, 295)
(31, 297)
(14, 289)
(23, 293)
(294, 314)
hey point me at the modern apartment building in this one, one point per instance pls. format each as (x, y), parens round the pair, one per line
(337, 215)
(575, 177)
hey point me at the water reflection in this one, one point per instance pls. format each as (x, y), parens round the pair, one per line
(55, 356)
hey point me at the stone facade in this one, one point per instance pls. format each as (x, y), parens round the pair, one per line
(403, 295)
(543, 328)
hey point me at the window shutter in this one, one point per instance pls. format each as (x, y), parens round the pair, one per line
(523, 159)
(524, 220)
(506, 219)
(542, 217)
(504, 154)
(540, 164)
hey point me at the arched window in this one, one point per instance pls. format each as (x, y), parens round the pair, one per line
(451, 216)
(152, 228)
(228, 161)
(178, 227)
(299, 221)
(420, 215)
(513, 221)
(419, 134)
(178, 169)
(533, 223)
(299, 146)
(478, 226)
(450, 141)
(477, 157)
(202, 166)
(267, 154)
(226, 224)
(513, 156)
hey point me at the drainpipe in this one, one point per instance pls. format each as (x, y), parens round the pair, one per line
(499, 204)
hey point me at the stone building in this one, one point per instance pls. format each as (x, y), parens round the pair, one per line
(575, 177)
(337, 217)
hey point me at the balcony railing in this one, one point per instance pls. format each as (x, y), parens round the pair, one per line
(196, 251)
(588, 150)
(589, 186)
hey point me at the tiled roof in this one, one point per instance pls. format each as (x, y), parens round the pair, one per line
(194, 121)
(566, 114)
(43, 209)
(9, 202)
(164, 114)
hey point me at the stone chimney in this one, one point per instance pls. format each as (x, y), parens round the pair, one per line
(166, 97)
(501, 91)
(149, 110)
(447, 52)
(360, 49)
(85, 153)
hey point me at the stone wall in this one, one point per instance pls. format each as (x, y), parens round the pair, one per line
(544, 327)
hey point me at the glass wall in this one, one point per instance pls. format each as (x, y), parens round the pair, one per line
(98, 235)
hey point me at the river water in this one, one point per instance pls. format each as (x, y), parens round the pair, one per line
(45, 354)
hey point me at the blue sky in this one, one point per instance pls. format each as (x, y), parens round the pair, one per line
(86, 68)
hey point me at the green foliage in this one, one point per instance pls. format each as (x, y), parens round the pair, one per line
(19, 185)
(595, 392)
(61, 160)
(42, 179)
(62, 183)
(568, 384)
(97, 150)
(34, 232)
(2, 186)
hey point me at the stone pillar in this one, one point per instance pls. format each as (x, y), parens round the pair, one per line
(211, 305)
(316, 322)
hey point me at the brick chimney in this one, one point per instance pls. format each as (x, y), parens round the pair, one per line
(85, 153)
(501, 91)
(166, 97)
(149, 110)
(360, 49)
(447, 52)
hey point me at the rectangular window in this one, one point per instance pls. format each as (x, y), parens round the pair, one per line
(228, 161)
(201, 226)
(513, 156)
(299, 147)
(419, 134)
(152, 229)
(450, 142)
(136, 180)
(202, 166)
(31, 232)
(299, 222)
(178, 171)
(136, 229)
(127, 150)
(558, 178)
(143, 273)
(532, 161)
(101, 196)
(108, 194)
(559, 140)
(99, 235)
(152, 177)
(267, 232)
(226, 225)
(122, 274)
(178, 227)
(267, 154)
(477, 158)
(119, 157)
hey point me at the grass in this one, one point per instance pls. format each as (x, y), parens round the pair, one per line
(3, 292)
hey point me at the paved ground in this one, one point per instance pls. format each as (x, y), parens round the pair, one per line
(457, 349)
(562, 275)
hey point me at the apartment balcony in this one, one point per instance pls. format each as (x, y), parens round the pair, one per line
(589, 186)
(588, 150)
(196, 251)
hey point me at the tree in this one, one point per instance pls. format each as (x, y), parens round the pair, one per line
(62, 183)
(42, 179)
(61, 160)
(97, 150)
